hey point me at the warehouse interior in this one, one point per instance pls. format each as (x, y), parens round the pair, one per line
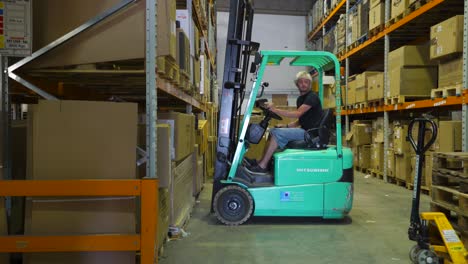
(135, 131)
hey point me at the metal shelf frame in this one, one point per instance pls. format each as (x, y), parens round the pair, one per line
(451, 101)
(144, 242)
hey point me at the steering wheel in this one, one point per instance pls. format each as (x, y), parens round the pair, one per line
(269, 113)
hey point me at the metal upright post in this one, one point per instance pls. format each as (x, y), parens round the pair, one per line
(346, 67)
(5, 118)
(465, 77)
(386, 91)
(151, 94)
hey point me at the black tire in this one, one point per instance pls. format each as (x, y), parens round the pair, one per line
(233, 205)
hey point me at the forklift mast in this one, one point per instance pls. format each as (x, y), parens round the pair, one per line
(239, 48)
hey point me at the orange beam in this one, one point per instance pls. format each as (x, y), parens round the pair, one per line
(149, 221)
(28, 244)
(429, 103)
(423, 9)
(317, 29)
(70, 188)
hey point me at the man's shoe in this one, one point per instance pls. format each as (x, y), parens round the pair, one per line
(250, 162)
(257, 170)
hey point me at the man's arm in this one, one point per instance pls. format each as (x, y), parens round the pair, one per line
(290, 114)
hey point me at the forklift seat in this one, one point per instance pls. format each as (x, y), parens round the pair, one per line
(315, 138)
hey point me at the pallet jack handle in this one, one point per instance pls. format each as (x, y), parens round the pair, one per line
(416, 231)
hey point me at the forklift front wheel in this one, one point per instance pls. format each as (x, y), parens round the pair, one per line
(233, 205)
(426, 256)
(413, 254)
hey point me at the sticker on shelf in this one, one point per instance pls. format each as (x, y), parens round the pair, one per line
(411, 106)
(15, 28)
(440, 103)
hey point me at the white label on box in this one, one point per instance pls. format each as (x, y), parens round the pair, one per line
(439, 28)
(439, 50)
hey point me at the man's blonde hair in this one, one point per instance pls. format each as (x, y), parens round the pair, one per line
(302, 75)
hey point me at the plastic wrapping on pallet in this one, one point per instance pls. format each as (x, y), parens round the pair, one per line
(181, 191)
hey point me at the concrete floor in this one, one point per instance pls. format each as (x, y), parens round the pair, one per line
(375, 232)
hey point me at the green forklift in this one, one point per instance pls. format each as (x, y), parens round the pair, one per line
(309, 178)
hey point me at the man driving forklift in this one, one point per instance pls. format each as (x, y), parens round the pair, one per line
(308, 114)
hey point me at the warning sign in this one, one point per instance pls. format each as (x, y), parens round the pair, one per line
(15, 28)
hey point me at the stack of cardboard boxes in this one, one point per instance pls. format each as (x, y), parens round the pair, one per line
(81, 140)
(362, 89)
(330, 40)
(411, 73)
(376, 14)
(359, 139)
(447, 48)
(341, 33)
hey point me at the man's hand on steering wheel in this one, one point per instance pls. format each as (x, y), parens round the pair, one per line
(267, 111)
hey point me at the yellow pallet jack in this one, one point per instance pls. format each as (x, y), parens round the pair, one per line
(452, 250)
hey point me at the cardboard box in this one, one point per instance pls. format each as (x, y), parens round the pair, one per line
(355, 156)
(450, 136)
(164, 161)
(79, 258)
(329, 40)
(163, 215)
(61, 145)
(399, 7)
(447, 38)
(329, 99)
(363, 10)
(279, 99)
(355, 25)
(428, 168)
(374, 3)
(183, 126)
(390, 163)
(376, 15)
(202, 136)
(377, 156)
(409, 56)
(400, 144)
(181, 191)
(82, 140)
(362, 85)
(377, 130)
(451, 72)
(183, 52)
(364, 156)
(413, 171)
(361, 134)
(403, 167)
(351, 92)
(198, 174)
(196, 74)
(188, 26)
(414, 81)
(375, 85)
(54, 18)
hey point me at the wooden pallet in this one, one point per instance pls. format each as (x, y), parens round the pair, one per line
(416, 5)
(375, 173)
(375, 31)
(184, 83)
(400, 99)
(450, 169)
(395, 19)
(424, 189)
(396, 181)
(360, 105)
(455, 90)
(375, 103)
(362, 170)
(167, 69)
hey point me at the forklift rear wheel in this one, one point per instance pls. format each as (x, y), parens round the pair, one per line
(426, 256)
(413, 254)
(233, 205)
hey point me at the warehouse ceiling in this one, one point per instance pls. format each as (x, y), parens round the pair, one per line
(277, 7)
